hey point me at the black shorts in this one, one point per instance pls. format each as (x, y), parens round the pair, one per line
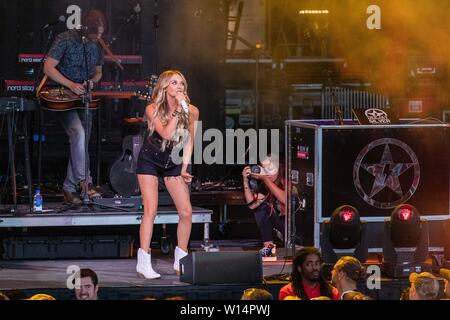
(153, 161)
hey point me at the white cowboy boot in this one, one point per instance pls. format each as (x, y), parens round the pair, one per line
(179, 253)
(144, 266)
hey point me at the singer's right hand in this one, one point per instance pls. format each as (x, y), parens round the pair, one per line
(77, 88)
(180, 96)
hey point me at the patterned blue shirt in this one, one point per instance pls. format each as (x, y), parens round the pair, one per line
(68, 50)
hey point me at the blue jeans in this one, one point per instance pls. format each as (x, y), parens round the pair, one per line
(266, 222)
(73, 122)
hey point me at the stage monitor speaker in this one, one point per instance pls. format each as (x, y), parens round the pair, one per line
(222, 268)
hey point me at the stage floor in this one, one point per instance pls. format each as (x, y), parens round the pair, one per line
(26, 274)
(118, 279)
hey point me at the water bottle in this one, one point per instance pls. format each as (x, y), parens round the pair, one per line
(37, 200)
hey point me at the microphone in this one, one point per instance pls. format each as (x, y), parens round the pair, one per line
(185, 106)
(82, 31)
(61, 18)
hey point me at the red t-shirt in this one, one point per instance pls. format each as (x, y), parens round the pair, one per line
(311, 292)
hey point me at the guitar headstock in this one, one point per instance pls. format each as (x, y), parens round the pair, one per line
(149, 86)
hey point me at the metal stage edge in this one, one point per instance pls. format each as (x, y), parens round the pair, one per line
(165, 215)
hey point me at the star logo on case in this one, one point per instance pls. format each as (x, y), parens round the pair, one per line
(387, 181)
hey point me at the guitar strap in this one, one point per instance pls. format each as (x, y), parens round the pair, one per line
(41, 85)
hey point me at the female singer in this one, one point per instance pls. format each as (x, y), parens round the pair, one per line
(169, 116)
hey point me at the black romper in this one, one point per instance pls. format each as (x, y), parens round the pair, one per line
(153, 161)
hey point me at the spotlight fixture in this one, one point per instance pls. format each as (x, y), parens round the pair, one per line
(343, 235)
(406, 226)
(405, 242)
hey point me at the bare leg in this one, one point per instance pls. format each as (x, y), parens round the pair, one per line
(149, 190)
(179, 192)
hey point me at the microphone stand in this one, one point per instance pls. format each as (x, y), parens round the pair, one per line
(39, 109)
(86, 99)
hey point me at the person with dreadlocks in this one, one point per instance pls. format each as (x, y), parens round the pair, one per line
(171, 120)
(307, 280)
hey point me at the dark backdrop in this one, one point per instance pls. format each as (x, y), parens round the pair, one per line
(189, 35)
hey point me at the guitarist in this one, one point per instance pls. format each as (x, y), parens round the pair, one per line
(65, 64)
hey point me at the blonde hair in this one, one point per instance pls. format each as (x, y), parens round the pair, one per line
(162, 107)
(321, 298)
(41, 296)
(292, 298)
(426, 285)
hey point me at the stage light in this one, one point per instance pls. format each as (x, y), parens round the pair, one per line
(405, 242)
(343, 235)
(347, 215)
(405, 214)
(315, 12)
(406, 226)
(345, 227)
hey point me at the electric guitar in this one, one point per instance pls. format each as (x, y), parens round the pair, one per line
(62, 99)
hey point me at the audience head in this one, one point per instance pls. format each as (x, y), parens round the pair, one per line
(321, 298)
(88, 289)
(346, 272)
(292, 298)
(307, 264)
(424, 286)
(41, 296)
(307, 267)
(355, 295)
(256, 294)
